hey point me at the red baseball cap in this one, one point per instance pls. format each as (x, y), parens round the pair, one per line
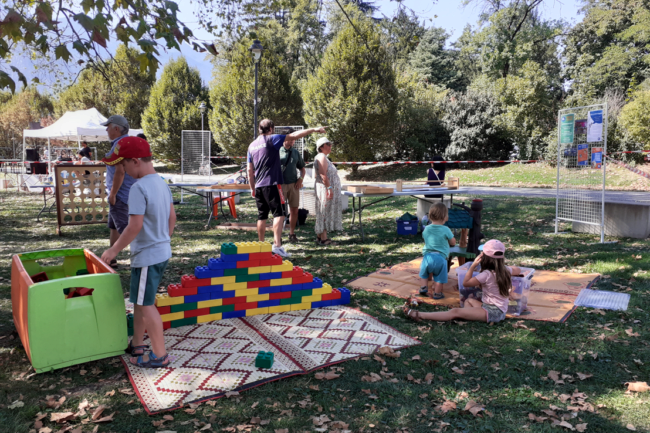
(129, 147)
(494, 248)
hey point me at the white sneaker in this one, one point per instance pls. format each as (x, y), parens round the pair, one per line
(280, 251)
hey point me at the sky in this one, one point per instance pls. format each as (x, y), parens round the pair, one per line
(448, 14)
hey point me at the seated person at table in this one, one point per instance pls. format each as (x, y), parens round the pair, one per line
(436, 175)
(437, 240)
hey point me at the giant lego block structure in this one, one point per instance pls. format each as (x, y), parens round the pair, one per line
(246, 280)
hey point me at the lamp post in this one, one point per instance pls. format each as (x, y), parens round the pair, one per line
(256, 49)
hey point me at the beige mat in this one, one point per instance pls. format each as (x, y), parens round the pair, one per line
(551, 294)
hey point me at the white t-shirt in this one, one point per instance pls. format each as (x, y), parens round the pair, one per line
(490, 290)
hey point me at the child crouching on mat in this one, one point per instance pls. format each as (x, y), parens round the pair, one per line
(495, 281)
(437, 240)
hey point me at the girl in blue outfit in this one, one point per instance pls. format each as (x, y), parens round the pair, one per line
(437, 240)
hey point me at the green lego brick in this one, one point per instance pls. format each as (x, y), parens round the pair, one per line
(247, 278)
(228, 248)
(290, 301)
(238, 272)
(184, 307)
(183, 322)
(301, 293)
(264, 359)
(222, 309)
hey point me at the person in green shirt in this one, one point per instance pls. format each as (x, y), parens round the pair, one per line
(291, 162)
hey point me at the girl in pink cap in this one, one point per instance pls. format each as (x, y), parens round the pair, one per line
(495, 282)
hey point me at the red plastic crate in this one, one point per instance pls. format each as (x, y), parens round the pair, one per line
(196, 313)
(275, 260)
(297, 272)
(260, 256)
(281, 295)
(192, 281)
(165, 310)
(174, 290)
(234, 301)
(306, 277)
(248, 264)
(245, 306)
(258, 284)
(332, 296)
(167, 325)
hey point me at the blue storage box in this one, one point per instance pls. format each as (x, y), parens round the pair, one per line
(407, 227)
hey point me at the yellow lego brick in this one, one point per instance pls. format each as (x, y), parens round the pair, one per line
(326, 286)
(223, 280)
(172, 316)
(208, 318)
(265, 247)
(322, 291)
(280, 281)
(210, 303)
(312, 298)
(163, 300)
(257, 298)
(303, 306)
(247, 247)
(259, 270)
(235, 286)
(280, 309)
(246, 292)
(286, 266)
(256, 311)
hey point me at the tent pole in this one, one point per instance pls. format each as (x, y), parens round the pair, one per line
(18, 182)
(49, 156)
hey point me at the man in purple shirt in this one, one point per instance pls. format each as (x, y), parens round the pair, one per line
(265, 177)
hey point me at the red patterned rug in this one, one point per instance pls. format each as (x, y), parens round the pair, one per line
(210, 359)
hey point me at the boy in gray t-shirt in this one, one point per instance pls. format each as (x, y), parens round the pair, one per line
(151, 224)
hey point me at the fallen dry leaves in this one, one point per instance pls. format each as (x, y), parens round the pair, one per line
(330, 375)
(61, 417)
(389, 352)
(474, 408)
(638, 386)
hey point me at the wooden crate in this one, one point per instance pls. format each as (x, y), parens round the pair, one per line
(369, 189)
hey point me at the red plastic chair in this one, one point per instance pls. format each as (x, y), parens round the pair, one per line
(231, 204)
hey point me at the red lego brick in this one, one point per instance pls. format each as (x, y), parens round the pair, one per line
(167, 325)
(165, 310)
(275, 260)
(234, 301)
(281, 295)
(297, 272)
(257, 284)
(174, 290)
(192, 281)
(196, 313)
(248, 264)
(332, 296)
(260, 256)
(306, 277)
(245, 306)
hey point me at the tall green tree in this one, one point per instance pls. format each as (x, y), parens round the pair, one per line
(232, 90)
(16, 112)
(173, 107)
(435, 64)
(402, 34)
(635, 118)
(608, 49)
(354, 93)
(121, 88)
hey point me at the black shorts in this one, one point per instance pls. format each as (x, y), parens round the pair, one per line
(268, 199)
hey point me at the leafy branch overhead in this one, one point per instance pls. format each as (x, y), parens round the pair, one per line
(81, 33)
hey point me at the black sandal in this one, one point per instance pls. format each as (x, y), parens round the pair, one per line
(131, 349)
(327, 242)
(293, 239)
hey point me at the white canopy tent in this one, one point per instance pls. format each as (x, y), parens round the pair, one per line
(82, 125)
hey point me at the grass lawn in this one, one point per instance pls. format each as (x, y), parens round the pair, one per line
(504, 367)
(537, 175)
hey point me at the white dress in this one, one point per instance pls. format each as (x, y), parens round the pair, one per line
(328, 212)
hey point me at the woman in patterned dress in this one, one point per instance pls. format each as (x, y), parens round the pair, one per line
(328, 194)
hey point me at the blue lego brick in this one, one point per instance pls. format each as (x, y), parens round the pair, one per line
(221, 264)
(267, 290)
(222, 294)
(316, 284)
(269, 303)
(210, 289)
(292, 287)
(264, 359)
(345, 296)
(205, 272)
(233, 314)
(234, 257)
(197, 298)
(270, 275)
(320, 304)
